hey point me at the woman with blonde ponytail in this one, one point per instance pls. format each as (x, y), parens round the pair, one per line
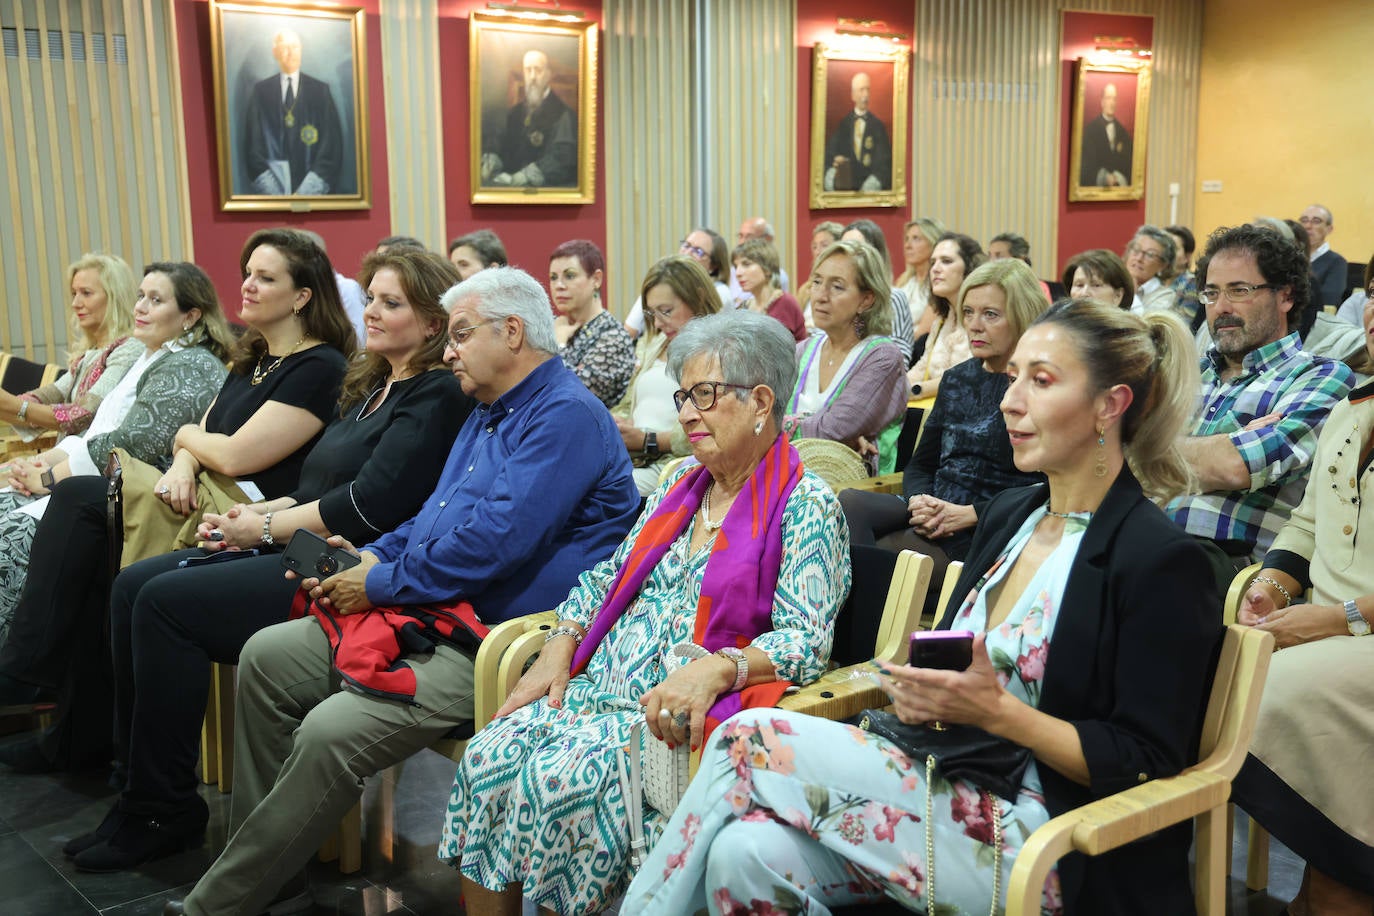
(1095, 621)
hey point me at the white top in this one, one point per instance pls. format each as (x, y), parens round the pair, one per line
(1142, 291)
(353, 302)
(653, 402)
(812, 398)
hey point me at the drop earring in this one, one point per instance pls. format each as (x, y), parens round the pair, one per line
(1100, 469)
(758, 428)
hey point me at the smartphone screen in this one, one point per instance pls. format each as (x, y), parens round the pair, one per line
(949, 650)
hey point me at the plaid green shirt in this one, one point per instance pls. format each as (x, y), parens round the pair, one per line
(1275, 378)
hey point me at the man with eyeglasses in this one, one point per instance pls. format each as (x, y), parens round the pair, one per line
(700, 246)
(1328, 267)
(537, 489)
(1263, 398)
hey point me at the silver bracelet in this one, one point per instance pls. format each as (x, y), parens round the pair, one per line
(1269, 580)
(267, 530)
(23, 410)
(565, 630)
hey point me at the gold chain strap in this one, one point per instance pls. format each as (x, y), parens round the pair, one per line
(930, 844)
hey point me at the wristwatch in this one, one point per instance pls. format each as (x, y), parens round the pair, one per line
(1355, 620)
(741, 665)
(46, 479)
(916, 389)
(651, 443)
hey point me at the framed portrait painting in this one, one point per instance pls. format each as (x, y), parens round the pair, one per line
(533, 108)
(290, 105)
(1107, 143)
(859, 104)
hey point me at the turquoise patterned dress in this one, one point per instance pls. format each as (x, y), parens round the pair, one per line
(537, 798)
(794, 814)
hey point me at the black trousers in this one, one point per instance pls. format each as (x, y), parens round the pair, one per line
(166, 626)
(58, 633)
(882, 520)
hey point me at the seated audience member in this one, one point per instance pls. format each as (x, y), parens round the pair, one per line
(281, 390)
(708, 249)
(677, 290)
(823, 236)
(350, 294)
(955, 257)
(1183, 282)
(1328, 267)
(1010, 245)
(556, 504)
(755, 227)
(742, 560)
(476, 251)
(963, 458)
(396, 241)
(1251, 474)
(918, 243)
(1097, 623)
(1100, 275)
(102, 288)
(591, 342)
(756, 268)
(865, 230)
(376, 463)
(851, 375)
(1302, 779)
(1149, 258)
(1352, 309)
(185, 339)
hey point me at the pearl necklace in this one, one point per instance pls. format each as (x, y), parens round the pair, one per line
(706, 510)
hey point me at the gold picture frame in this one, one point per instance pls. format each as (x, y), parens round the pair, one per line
(295, 144)
(875, 174)
(1108, 163)
(524, 151)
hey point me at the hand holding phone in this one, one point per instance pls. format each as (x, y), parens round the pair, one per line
(948, 650)
(311, 557)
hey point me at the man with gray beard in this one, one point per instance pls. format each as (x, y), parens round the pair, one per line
(538, 147)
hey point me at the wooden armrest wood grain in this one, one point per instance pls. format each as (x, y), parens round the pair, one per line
(885, 483)
(837, 694)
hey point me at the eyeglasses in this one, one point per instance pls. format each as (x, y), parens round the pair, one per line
(688, 248)
(703, 394)
(1236, 292)
(460, 336)
(1151, 255)
(666, 313)
(1312, 221)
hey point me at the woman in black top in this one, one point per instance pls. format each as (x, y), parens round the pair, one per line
(372, 469)
(282, 389)
(963, 457)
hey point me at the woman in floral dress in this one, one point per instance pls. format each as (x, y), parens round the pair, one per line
(741, 561)
(1077, 591)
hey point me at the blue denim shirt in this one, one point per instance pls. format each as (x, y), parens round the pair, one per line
(537, 489)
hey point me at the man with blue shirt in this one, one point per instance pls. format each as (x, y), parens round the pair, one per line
(1263, 399)
(537, 489)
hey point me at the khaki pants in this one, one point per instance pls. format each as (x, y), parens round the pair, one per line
(302, 747)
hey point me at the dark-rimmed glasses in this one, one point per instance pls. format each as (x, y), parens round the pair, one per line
(703, 394)
(1237, 292)
(688, 248)
(460, 336)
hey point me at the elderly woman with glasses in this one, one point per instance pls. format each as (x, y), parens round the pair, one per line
(722, 594)
(1150, 261)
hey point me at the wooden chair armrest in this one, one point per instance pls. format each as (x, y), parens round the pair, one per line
(486, 668)
(1107, 823)
(885, 483)
(837, 694)
(1236, 593)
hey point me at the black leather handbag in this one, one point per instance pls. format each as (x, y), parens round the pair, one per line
(960, 751)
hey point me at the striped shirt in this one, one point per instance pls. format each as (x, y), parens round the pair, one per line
(1275, 378)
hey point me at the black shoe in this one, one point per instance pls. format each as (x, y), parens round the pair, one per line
(85, 841)
(143, 839)
(21, 695)
(26, 756)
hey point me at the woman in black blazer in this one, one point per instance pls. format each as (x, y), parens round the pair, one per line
(1097, 624)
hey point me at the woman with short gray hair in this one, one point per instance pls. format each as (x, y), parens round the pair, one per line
(1150, 261)
(723, 594)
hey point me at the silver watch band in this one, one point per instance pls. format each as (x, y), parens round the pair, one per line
(1354, 620)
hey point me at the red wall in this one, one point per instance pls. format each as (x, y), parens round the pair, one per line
(1092, 224)
(816, 23)
(218, 236)
(529, 232)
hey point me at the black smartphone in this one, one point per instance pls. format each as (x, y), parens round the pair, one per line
(949, 650)
(310, 556)
(223, 556)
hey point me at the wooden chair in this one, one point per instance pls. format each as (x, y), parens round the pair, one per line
(1257, 838)
(1199, 792)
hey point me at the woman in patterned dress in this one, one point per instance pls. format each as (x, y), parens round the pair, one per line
(184, 340)
(739, 563)
(592, 343)
(1096, 622)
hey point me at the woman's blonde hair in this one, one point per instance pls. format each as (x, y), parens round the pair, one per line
(1154, 356)
(1025, 299)
(870, 269)
(116, 278)
(932, 229)
(688, 281)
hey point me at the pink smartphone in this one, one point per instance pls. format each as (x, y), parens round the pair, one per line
(950, 650)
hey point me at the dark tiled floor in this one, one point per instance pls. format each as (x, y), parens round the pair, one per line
(400, 875)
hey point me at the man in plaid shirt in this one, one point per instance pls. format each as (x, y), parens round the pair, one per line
(1263, 399)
